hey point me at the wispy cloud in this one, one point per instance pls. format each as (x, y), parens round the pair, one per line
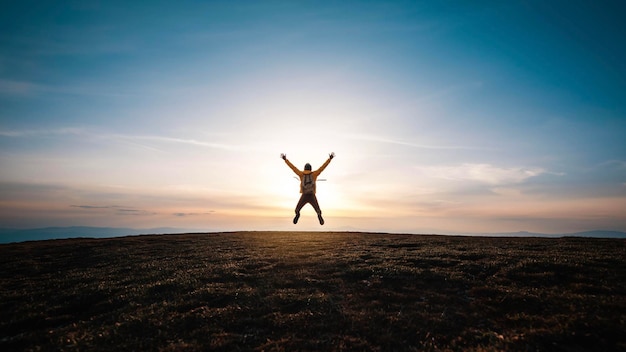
(117, 210)
(134, 212)
(94, 206)
(192, 214)
(371, 138)
(134, 139)
(173, 140)
(22, 88)
(43, 132)
(12, 87)
(617, 164)
(483, 173)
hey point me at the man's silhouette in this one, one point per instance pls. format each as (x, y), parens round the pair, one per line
(307, 186)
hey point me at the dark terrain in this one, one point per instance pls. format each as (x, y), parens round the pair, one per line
(277, 291)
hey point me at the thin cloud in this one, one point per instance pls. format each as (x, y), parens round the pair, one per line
(192, 214)
(26, 88)
(483, 173)
(117, 210)
(93, 206)
(370, 138)
(617, 164)
(134, 212)
(11, 87)
(172, 140)
(46, 132)
(132, 139)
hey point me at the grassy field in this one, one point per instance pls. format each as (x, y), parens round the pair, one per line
(276, 291)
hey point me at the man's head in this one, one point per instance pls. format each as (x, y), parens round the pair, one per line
(307, 167)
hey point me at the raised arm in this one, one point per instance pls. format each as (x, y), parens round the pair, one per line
(295, 169)
(330, 157)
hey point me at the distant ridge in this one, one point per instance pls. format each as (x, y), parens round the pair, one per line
(49, 233)
(592, 234)
(599, 234)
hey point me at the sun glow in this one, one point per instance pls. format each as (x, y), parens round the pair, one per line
(286, 190)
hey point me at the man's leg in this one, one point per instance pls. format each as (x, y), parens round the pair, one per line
(316, 206)
(303, 200)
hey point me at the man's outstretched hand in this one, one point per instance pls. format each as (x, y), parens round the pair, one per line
(283, 156)
(331, 155)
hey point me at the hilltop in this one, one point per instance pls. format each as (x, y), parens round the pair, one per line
(313, 291)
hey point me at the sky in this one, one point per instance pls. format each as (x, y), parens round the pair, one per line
(445, 116)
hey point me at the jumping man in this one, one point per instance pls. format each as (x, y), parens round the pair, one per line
(307, 186)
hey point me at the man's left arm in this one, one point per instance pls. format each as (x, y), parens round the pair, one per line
(330, 157)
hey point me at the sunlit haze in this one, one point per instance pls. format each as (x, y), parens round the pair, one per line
(446, 117)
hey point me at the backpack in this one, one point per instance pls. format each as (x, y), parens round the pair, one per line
(308, 184)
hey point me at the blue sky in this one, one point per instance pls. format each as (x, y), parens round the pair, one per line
(446, 117)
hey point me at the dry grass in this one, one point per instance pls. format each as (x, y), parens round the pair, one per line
(313, 291)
